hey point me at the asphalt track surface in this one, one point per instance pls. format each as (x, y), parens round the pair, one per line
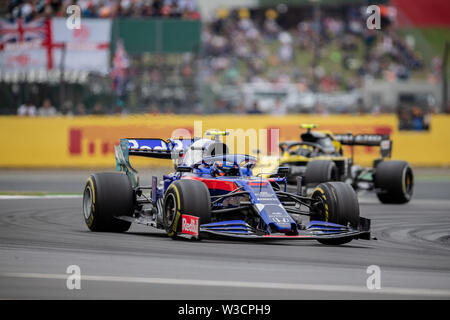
(41, 237)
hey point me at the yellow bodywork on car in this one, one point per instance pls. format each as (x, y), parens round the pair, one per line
(268, 165)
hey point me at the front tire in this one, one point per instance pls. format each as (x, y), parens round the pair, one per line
(340, 206)
(107, 195)
(318, 171)
(394, 182)
(189, 197)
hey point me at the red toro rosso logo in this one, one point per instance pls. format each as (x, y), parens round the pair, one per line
(189, 224)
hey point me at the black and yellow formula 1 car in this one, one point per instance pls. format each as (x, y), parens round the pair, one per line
(318, 157)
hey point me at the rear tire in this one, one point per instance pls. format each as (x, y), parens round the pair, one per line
(189, 197)
(394, 182)
(318, 171)
(340, 206)
(106, 196)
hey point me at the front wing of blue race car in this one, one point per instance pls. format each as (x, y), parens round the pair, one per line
(315, 230)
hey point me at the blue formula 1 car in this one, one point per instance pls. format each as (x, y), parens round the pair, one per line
(214, 194)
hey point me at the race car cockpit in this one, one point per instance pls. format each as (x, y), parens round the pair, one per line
(203, 148)
(321, 141)
(212, 157)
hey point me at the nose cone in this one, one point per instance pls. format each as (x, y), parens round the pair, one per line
(269, 207)
(277, 218)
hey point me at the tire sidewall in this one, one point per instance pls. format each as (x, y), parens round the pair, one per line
(390, 181)
(340, 203)
(110, 192)
(340, 206)
(192, 198)
(172, 227)
(319, 171)
(89, 219)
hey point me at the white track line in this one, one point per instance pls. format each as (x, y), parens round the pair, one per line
(243, 284)
(362, 200)
(21, 197)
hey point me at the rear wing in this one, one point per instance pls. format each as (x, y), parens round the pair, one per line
(157, 148)
(370, 140)
(151, 148)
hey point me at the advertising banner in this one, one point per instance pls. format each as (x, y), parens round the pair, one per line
(89, 141)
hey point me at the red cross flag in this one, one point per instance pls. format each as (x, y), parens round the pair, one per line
(87, 48)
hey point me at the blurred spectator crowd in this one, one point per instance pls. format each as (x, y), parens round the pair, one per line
(337, 54)
(29, 9)
(163, 83)
(271, 45)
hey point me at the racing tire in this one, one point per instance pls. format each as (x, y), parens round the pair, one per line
(394, 182)
(107, 195)
(318, 171)
(340, 206)
(189, 197)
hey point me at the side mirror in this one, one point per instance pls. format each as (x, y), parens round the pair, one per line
(184, 169)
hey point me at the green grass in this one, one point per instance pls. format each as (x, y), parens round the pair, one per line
(429, 41)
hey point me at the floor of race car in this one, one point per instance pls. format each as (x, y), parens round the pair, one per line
(41, 235)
